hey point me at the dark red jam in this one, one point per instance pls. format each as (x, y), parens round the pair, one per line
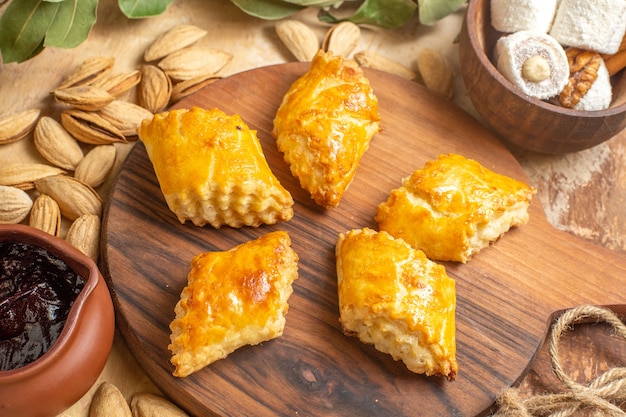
(37, 290)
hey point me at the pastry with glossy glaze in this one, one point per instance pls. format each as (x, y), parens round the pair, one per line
(393, 297)
(324, 126)
(232, 299)
(211, 169)
(454, 207)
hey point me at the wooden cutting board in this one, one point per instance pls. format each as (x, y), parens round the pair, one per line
(507, 295)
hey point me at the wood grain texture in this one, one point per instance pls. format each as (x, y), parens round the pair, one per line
(506, 296)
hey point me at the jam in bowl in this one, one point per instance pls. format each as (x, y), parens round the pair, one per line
(56, 323)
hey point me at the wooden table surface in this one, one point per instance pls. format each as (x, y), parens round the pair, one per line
(582, 193)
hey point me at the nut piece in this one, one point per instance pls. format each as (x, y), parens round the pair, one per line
(45, 215)
(371, 59)
(151, 405)
(342, 38)
(90, 71)
(298, 38)
(23, 175)
(174, 39)
(155, 89)
(84, 235)
(108, 401)
(86, 97)
(74, 197)
(191, 62)
(95, 167)
(90, 127)
(436, 72)
(583, 68)
(16, 126)
(536, 69)
(56, 145)
(15, 205)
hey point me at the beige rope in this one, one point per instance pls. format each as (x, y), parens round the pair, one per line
(604, 394)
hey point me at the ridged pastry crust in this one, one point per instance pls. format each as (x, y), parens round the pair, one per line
(232, 299)
(324, 126)
(392, 296)
(454, 207)
(211, 169)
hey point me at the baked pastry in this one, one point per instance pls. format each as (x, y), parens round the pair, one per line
(232, 299)
(211, 169)
(534, 62)
(324, 126)
(454, 207)
(393, 297)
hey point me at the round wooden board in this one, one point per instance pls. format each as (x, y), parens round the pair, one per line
(506, 295)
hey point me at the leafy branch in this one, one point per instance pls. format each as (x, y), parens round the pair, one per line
(29, 26)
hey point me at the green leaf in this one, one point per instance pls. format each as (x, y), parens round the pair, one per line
(317, 3)
(384, 13)
(27, 26)
(267, 9)
(137, 9)
(430, 11)
(23, 27)
(72, 23)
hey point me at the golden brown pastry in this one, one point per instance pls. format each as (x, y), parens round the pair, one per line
(232, 299)
(392, 296)
(454, 207)
(324, 126)
(211, 169)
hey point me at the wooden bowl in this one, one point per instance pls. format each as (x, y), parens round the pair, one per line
(522, 120)
(72, 364)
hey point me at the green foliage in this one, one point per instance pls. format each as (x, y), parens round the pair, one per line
(28, 26)
(137, 9)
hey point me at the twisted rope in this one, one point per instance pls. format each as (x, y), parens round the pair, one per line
(604, 394)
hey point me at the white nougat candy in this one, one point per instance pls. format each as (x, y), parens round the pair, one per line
(597, 25)
(534, 62)
(514, 15)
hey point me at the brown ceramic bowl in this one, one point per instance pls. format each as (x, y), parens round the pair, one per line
(522, 120)
(62, 375)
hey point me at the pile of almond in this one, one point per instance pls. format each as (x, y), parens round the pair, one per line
(80, 147)
(433, 69)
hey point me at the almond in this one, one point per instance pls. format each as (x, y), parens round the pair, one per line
(84, 235)
(96, 166)
(342, 38)
(88, 72)
(174, 39)
(56, 145)
(155, 89)
(15, 204)
(300, 39)
(108, 401)
(436, 72)
(371, 59)
(90, 127)
(87, 97)
(125, 116)
(23, 175)
(45, 215)
(17, 126)
(152, 405)
(74, 197)
(192, 62)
